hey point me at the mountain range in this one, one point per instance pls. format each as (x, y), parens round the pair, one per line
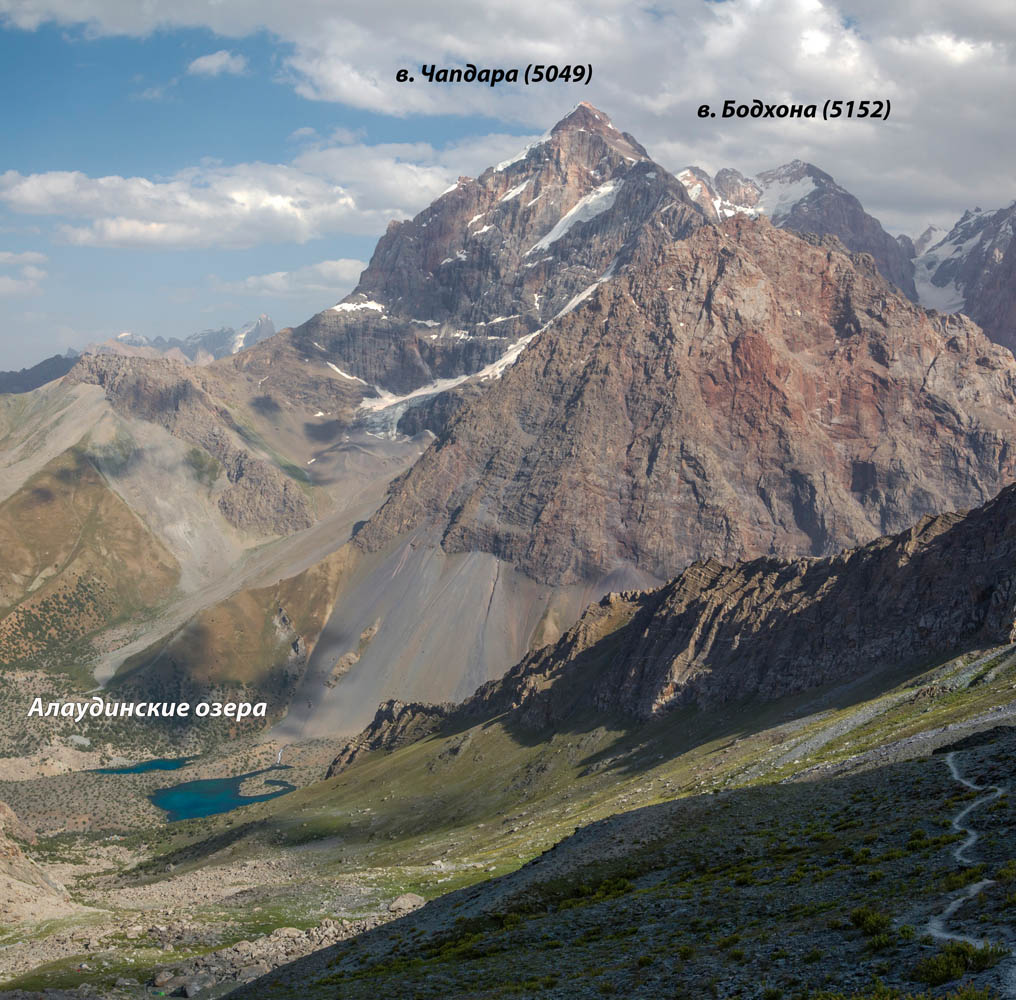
(199, 348)
(605, 487)
(625, 371)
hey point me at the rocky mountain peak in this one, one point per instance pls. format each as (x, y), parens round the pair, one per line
(454, 291)
(586, 118)
(932, 235)
(970, 268)
(732, 186)
(799, 196)
(794, 171)
(724, 395)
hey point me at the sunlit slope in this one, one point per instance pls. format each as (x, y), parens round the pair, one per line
(254, 644)
(74, 560)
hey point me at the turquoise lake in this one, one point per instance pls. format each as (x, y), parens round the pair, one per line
(159, 764)
(209, 796)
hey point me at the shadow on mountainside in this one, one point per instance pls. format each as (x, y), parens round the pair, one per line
(781, 886)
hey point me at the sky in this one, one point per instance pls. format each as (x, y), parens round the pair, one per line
(169, 167)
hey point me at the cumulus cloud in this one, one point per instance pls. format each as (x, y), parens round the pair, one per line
(217, 63)
(20, 273)
(334, 277)
(354, 189)
(949, 71)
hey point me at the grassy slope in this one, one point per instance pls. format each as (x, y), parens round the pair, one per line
(241, 639)
(75, 561)
(778, 892)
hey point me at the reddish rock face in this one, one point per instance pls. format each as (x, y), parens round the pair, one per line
(494, 258)
(743, 392)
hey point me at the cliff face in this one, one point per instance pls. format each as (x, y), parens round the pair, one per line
(743, 392)
(756, 630)
(996, 307)
(769, 628)
(971, 268)
(495, 257)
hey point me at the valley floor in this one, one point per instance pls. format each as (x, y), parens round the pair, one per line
(803, 849)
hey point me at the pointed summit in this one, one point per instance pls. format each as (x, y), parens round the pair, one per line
(457, 289)
(586, 118)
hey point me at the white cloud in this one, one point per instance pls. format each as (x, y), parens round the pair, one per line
(20, 273)
(324, 191)
(335, 277)
(217, 63)
(9, 257)
(949, 70)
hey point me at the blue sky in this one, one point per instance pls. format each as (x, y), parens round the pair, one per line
(173, 167)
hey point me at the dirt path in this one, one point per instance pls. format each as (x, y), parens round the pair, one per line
(937, 926)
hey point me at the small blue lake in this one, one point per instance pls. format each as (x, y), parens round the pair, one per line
(159, 764)
(209, 796)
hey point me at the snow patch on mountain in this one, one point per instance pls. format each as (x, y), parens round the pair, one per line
(779, 199)
(947, 298)
(515, 191)
(595, 203)
(357, 306)
(522, 153)
(352, 378)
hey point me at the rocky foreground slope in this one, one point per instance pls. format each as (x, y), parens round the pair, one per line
(889, 884)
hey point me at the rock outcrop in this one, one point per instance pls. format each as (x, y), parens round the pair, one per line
(396, 724)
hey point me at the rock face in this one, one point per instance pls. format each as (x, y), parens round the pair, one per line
(260, 498)
(396, 724)
(759, 630)
(971, 269)
(494, 258)
(996, 305)
(801, 197)
(742, 392)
